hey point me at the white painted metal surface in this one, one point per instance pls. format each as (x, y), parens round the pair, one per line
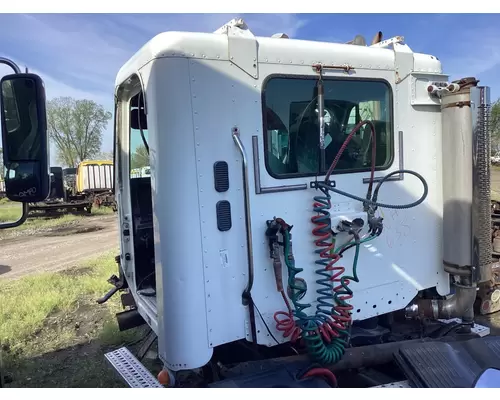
(195, 96)
(478, 329)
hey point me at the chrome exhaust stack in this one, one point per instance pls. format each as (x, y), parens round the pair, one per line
(465, 110)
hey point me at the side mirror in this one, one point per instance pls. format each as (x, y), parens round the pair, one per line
(489, 378)
(24, 137)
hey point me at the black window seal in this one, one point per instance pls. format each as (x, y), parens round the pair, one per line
(315, 77)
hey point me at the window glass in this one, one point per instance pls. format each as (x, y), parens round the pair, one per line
(139, 157)
(292, 126)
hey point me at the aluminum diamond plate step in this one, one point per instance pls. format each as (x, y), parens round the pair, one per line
(394, 385)
(131, 370)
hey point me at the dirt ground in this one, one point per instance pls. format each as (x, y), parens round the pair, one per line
(58, 248)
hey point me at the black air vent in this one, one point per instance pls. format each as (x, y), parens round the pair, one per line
(221, 176)
(223, 209)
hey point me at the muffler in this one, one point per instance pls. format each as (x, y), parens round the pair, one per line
(466, 182)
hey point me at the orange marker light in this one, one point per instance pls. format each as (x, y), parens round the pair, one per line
(164, 378)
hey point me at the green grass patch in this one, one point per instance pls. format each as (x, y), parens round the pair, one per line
(28, 302)
(102, 211)
(54, 334)
(11, 212)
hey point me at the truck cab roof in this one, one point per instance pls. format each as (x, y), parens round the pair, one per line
(272, 50)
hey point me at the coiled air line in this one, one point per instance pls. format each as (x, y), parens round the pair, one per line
(326, 333)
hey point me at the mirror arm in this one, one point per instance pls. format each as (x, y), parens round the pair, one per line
(11, 64)
(20, 221)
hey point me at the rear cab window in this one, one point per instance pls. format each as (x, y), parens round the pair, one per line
(291, 126)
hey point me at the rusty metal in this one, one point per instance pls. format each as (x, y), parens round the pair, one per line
(459, 305)
(377, 38)
(467, 82)
(458, 104)
(354, 358)
(319, 68)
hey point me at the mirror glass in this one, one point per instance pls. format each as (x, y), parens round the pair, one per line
(24, 137)
(20, 110)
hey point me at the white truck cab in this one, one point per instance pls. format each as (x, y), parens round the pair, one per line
(319, 198)
(193, 234)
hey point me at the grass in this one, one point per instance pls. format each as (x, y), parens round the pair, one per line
(11, 211)
(53, 333)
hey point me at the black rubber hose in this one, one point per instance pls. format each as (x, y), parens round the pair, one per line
(377, 188)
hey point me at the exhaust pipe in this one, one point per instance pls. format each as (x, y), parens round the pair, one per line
(459, 305)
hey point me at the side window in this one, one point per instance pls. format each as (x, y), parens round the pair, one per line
(139, 147)
(291, 125)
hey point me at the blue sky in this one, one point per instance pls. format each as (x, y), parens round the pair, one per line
(79, 55)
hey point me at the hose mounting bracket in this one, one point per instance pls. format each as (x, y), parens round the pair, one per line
(317, 185)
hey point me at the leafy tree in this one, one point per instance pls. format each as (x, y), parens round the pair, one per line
(105, 155)
(76, 128)
(140, 158)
